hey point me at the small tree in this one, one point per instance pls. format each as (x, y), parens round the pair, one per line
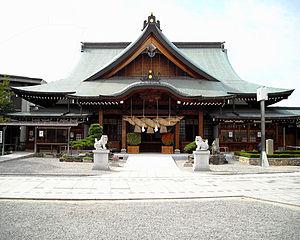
(95, 131)
(5, 99)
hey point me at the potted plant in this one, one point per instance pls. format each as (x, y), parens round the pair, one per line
(133, 142)
(168, 141)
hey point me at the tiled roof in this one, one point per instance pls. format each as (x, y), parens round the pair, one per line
(210, 59)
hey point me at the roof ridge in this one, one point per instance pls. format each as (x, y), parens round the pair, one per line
(123, 45)
(151, 29)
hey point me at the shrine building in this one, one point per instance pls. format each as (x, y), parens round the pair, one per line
(153, 86)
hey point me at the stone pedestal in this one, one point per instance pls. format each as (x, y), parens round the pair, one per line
(101, 159)
(201, 160)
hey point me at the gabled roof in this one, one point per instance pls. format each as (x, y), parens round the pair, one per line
(150, 35)
(207, 59)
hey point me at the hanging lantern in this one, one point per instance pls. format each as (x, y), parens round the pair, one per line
(150, 130)
(137, 129)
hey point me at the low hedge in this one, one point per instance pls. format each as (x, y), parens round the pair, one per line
(288, 152)
(256, 154)
(87, 158)
(76, 158)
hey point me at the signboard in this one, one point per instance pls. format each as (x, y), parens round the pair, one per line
(230, 134)
(259, 134)
(1, 136)
(41, 133)
(262, 94)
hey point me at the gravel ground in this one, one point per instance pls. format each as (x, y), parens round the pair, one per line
(164, 219)
(53, 166)
(37, 165)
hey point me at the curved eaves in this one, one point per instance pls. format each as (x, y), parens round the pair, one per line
(127, 90)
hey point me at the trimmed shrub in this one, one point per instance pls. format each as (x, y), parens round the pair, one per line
(70, 158)
(275, 155)
(189, 148)
(134, 139)
(87, 158)
(167, 139)
(95, 131)
(288, 152)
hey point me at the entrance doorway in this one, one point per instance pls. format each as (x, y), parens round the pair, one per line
(151, 142)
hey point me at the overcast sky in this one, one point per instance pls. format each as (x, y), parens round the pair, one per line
(42, 38)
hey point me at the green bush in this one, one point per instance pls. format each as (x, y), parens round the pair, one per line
(95, 131)
(133, 139)
(288, 152)
(189, 148)
(70, 158)
(275, 155)
(87, 158)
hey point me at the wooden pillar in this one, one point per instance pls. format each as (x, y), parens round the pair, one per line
(124, 125)
(296, 135)
(276, 133)
(283, 136)
(3, 140)
(177, 135)
(200, 124)
(68, 146)
(248, 132)
(35, 139)
(100, 119)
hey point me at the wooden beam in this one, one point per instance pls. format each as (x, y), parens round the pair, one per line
(124, 125)
(177, 135)
(100, 118)
(200, 124)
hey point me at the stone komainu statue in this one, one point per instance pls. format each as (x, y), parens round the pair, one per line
(101, 144)
(201, 145)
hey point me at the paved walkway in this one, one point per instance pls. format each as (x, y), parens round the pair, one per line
(15, 156)
(282, 188)
(152, 176)
(150, 165)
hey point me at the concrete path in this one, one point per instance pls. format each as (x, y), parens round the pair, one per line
(150, 165)
(152, 176)
(283, 188)
(15, 156)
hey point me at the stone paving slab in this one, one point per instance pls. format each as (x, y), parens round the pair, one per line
(149, 176)
(283, 188)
